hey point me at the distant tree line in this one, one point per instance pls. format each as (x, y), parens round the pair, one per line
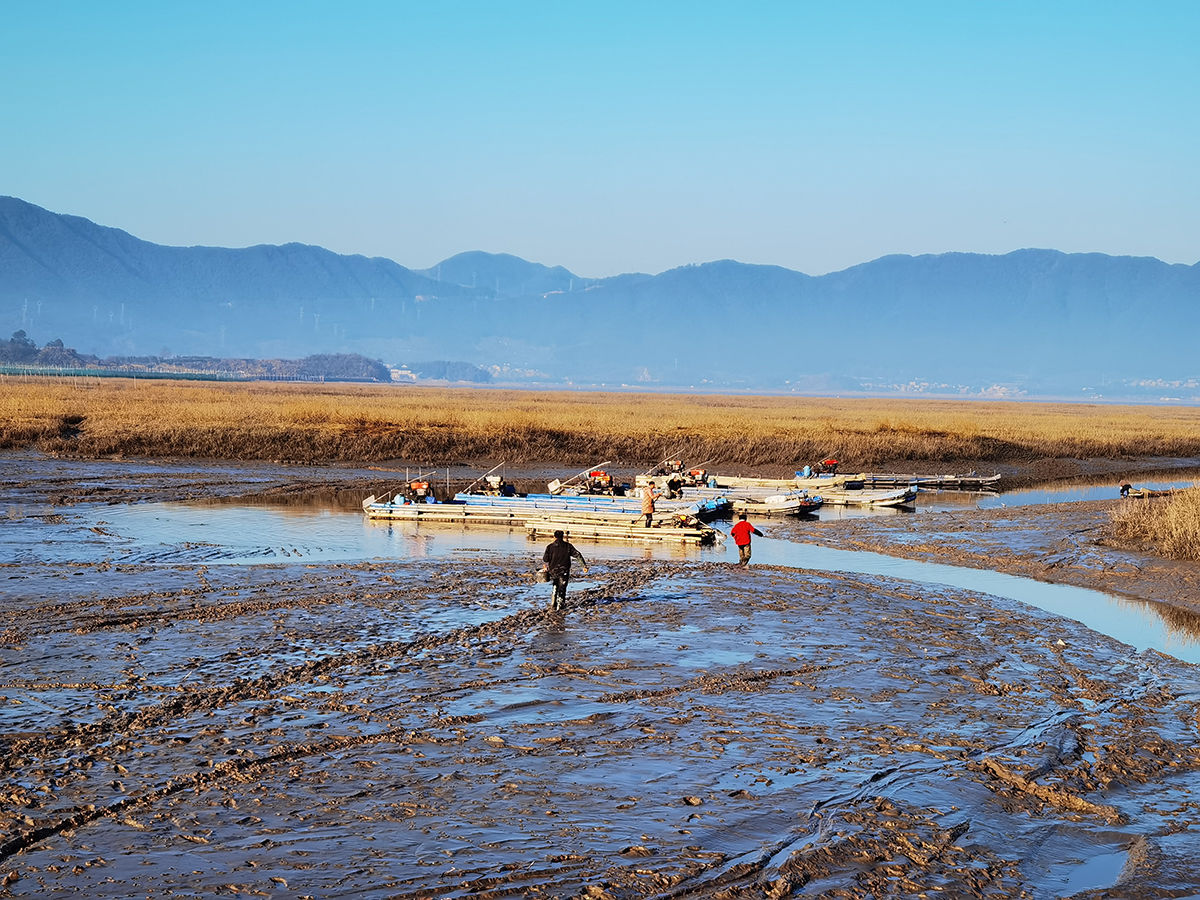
(20, 350)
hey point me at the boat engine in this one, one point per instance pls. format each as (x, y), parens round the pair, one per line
(498, 486)
(599, 482)
(419, 491)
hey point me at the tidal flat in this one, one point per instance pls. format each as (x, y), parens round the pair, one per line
(413, 726)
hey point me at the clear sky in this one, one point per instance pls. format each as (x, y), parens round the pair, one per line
(617, 136)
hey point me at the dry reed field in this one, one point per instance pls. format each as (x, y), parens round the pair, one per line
(1170, 526)
(318, 423)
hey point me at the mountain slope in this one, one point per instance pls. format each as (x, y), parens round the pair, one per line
(64, 275)
(1033, 320)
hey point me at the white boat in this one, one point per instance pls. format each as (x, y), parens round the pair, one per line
(866, 497)
(794, 503)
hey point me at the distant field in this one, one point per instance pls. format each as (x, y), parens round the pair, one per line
(341, 422)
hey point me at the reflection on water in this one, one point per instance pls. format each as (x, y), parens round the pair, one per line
(181, 533)
(234, 534)
(943, 501)
(1108, 490)
(1074, 877)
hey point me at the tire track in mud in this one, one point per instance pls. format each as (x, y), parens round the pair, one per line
(191, 700)
(85, 738)
(209, 612)
(54, 617)
(715, 684)
(201, 780)
(65, 616)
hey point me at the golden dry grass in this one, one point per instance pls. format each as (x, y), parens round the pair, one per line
(1170, 526)
(326, 423)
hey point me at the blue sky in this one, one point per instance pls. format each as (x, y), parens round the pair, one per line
(613, 137)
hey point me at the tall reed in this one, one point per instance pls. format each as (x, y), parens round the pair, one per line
(1169, 526)
(341, 422)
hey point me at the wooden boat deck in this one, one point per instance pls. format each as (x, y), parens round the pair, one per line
(633, 533)
(792, 506)
(446, 512)
(599, 525)
(968, 482)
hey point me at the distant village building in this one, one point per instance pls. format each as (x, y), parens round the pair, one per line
(403, 373)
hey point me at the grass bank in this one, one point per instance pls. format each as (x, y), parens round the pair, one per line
(1168, 526)
(364, 423)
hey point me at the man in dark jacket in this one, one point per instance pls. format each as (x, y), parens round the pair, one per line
(556, 561)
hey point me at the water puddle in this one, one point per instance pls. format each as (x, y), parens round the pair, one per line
(180, 533)
(1108, 490)
(937, 501)
(1073, 876)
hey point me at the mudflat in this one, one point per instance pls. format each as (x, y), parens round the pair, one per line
(419, 727)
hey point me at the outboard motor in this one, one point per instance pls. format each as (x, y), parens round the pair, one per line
(420, 492)
(599, 482)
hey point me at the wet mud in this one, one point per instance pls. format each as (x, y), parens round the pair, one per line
(427, 727)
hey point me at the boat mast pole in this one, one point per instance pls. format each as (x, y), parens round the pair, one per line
(481, 477)
(669, 457)
(607, 462)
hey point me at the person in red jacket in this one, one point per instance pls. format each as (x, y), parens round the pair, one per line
(741, 536)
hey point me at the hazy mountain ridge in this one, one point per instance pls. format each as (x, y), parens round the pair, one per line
(1037, 321)
(503, 275)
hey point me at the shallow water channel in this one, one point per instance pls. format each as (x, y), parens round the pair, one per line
(938, 501)
(223, 533)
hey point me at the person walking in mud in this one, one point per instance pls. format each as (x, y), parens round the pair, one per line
(649, 495)
(741, 536)
(556, 562)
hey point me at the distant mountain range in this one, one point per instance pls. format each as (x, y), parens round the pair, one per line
(1027, 323)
